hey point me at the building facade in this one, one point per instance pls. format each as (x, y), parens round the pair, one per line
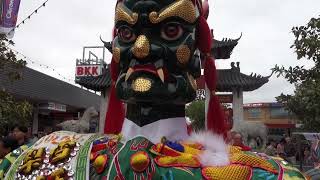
(278, 120)
(53, 100)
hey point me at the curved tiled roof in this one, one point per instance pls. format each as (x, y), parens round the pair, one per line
(228, 79)
(223, 49)
(98, 83)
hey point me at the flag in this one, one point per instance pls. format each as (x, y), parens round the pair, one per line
(9, 16)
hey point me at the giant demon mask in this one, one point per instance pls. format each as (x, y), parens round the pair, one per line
(155, 56)
(155, 47)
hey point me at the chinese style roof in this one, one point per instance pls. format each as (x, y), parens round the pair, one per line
(230, 79)
(223, 49)
(97, 83)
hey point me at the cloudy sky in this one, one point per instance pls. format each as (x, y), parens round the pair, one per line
(55, 36)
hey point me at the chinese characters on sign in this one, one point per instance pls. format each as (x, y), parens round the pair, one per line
(224, 98)
(201, 95)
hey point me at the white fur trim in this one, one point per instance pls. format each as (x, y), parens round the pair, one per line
(174, 129)
(216, 150)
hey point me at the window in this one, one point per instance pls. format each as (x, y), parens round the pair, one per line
(254, 113)
(279, 112)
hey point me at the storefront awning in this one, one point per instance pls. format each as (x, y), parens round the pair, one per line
(281, 125)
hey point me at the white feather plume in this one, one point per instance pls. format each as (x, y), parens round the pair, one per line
(216, 150)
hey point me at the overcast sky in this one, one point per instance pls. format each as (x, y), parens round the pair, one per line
(55, 36)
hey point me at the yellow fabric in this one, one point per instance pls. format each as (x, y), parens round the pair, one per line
(234, 149)
(227, 172)
(252, 161)
(287, 177)
(183, 160)
(191, 150)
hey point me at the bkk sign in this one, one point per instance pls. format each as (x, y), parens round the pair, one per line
(9, 16)
(88, 70)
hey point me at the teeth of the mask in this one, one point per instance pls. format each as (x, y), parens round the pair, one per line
(159, 64)
(130, 70)
(160, 73)
(133, 63)
(128, 74)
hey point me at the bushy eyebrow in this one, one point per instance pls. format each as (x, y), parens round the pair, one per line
(124, 14)
(184, 9)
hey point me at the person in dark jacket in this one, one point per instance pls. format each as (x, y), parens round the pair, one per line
(7, 145)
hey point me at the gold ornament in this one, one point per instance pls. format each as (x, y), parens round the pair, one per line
(183, 54)
(123, 15)
(141, 47)
(139, 161)
(141, 85)
(32, 161)
(116, 54)
(58, 174)
(193, 82)
(62, 152)
(181, 8)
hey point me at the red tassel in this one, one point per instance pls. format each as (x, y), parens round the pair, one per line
(215, 117)
(114, 70)
(210, 73)
(204, 37)
(116, 112)
(205, 9)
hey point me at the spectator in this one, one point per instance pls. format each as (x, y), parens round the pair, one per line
(238, 141)
(230, 136)
(307, 157)
(20, 133)
(7, 145)
(271, 148)
(280, 148)
(290, 150)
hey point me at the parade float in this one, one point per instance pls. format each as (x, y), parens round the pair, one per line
(159, 47)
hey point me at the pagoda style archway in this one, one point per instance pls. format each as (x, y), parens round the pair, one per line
(230, 81)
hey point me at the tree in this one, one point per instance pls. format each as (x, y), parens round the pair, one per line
(11, 110)
(196, 112)
(305, 102)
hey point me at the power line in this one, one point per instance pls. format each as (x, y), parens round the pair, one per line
(28, 17)
(42, 66)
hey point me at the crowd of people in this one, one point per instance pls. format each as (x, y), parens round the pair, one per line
(17, 137)
(286, 148)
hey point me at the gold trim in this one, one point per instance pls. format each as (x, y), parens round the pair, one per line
(141, 47)
(182, 8)
(116, 54)
(122, 15)
(183, 54)
(193, 82)
(141, 85)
